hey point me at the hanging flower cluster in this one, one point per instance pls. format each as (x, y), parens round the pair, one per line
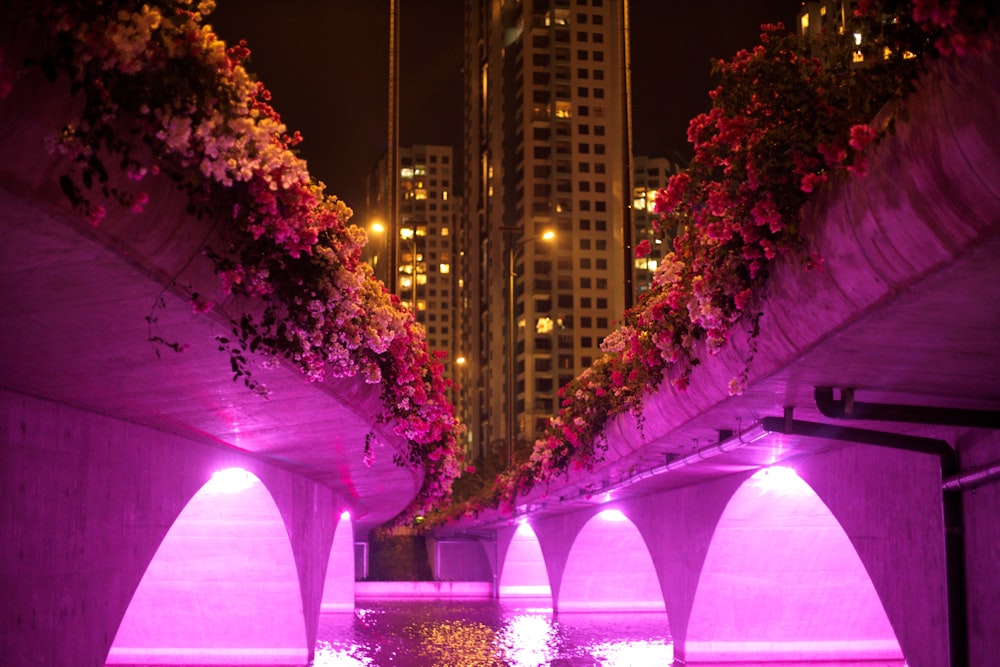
(164, 95)
(788, 116)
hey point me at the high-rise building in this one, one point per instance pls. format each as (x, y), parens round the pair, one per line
(545, 150)
(425, 278)
(649, 176)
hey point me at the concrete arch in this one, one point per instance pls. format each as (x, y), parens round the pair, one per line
(609, 568)
(338, 585)
(524, 573)
(226, 577)
(888, 502)
(782, 581)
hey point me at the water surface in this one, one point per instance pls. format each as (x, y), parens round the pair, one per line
(488, 633)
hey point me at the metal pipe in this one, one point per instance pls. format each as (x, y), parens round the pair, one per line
(848, 408)
(972, 478)
(909, 443)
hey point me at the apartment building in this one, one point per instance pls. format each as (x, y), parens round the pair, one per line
(544, 152)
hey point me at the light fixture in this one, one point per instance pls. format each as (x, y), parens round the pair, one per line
(230, 480)
(614, 516)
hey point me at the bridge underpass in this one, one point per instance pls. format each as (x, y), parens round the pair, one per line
(875, 381)
(108, 443)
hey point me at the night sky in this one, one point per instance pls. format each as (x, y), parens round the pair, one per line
(326, 63)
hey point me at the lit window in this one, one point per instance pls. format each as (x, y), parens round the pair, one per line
(406, 172)
(804, 22)
(445, 268)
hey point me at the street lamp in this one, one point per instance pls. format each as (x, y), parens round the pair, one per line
(512, 247)
(377, 229)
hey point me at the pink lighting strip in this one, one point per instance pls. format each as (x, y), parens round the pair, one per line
(734, 442)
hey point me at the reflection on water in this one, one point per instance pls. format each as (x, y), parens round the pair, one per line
(488, 633)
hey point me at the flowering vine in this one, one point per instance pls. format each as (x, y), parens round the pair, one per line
(163, 96)
(788, 116)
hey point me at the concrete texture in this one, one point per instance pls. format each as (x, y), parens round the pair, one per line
(222, 585)
(338, 586)
(74, 329)
(841, 558)
(86, 502)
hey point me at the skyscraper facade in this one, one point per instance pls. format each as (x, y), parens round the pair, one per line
(545, 150)
(649, 176)
(424, 278)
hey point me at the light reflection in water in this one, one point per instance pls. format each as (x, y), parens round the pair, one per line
(487, 633)
(527, 639)
(625, 654)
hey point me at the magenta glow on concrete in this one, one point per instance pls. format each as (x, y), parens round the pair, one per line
(524, 573)
(609, 568)
(782, 581)
(338, 586)
(222, 587)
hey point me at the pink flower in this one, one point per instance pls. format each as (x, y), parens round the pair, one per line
(139, 202)
(95, 214)
(668, 199)
(643, 248)
(811, 181)
(861, 137)
(199, 306)
(834, 154)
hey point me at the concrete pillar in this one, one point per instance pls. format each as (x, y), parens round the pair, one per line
(889, 504)
(86, 500)
(338, 585)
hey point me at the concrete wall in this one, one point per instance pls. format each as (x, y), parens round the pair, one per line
(981, 508)
(222, 586)
(459, 559)
(85, 501)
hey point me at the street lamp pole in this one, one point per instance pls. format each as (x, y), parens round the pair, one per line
(511, 332)
(512, 246)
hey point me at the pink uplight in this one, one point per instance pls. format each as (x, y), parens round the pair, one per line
(345, 515)
(230, 480)
(779, 480)
(612, 515)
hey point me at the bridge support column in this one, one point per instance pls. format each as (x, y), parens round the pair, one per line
(86, 500)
